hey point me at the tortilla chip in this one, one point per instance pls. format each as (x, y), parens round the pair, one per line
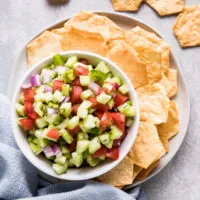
(46, 44)
(151, 49)
(126, 5)
(145, 172)
(187, 26)
(120, 187)
(166, 7)
(136, 171)
(95, 24)
(154, 103)
(171, 127)
(126, 58)
(120, 175)
(164, 139)
(147, 147)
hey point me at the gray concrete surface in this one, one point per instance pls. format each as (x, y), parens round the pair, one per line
(21, 19)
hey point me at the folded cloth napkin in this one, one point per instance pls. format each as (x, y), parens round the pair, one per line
(19, 179)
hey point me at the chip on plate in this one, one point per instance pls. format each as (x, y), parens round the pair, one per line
(187, 26)
(171, 127)
(147, 147)
(136, 171)
(166, 7)
(120, 175)
(126, 58)
(46, 44)
(151, 49)
(126, 5)
(154, 103)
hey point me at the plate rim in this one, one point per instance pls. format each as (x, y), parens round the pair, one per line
(154, 30)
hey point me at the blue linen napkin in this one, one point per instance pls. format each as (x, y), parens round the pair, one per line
(19, 179)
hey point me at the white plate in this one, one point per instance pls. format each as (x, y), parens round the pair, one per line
(182, 98)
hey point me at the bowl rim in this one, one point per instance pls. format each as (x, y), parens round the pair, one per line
(32, 158)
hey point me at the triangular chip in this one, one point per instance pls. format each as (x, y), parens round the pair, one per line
(154, 103)
(171, 127)
(151, 49)
(145, 172)
(136, 171)
(187, 26)
(46, 44)
(120, 175)
(147, 147)
(126, 5)
(166, 7)
(126, 58)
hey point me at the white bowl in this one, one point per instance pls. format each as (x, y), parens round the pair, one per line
(75, 173)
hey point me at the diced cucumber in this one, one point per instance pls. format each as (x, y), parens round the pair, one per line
(64, 149)
(92, 161)
(108, 86)
(102, 67)
(114, 79)
(103, 157)
(66, 109)
(61, 160)
(21, 99)
(58, 60)
(91, 110)
(123, 89)
(94, 131)
(82, 145)
(82, 127)
(57, 97)
(82, 136)
(70, 163)
(20, 110)
(73, 122)
(35, 141)
(94, 145)
(84, 80)
(53, 105)
(129, 121)
(65, 90)
(128, 110)
(104, 138)
(63, 124)
(109, 144)
(71, 61)
(40, 108)
(77, 159)
(66, 136)
(86, 94)
(40, 89)
(90, 67)
(111, 103)
(41, 123)
(97, 75)
(83, 109)
(48, 96)
(90, 122)
(47, 75)
(116, 133)
(103, 98)
(53, 119)
(35, 148)
(60, 169)
(43, 142)
(68, 76)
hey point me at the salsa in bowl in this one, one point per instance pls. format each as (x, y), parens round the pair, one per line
(75, 115)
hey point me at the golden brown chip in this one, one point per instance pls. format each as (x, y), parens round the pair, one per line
(187, 26)
(151, 49)
(96, 24)
(147, 147)
(164, 139)
(120, 175)
(145, 172)
(136, 171)
(171, 127)
(44, 45)
(125, 57)
(126, 5)
(166, 7)
(154, 103)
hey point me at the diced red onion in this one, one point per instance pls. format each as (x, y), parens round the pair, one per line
(56, 150)
(48, 151)
(65, 100)
(60, 69)
(94, 87)
(26, 85)
(116, 86)
(48, 88)
(35, 80)
(51, 111)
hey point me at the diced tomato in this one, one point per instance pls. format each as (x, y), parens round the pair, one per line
(57, 85)
(72, 146)
(79, 70)
(84, 61)
(74, 131)
(76, 82)
(27, 123)
(75, 108)
(119, 119)
(119, 99)
(98, 114)
(53, 134)
(93, 100)
(113, 153)
(105, 120)
(103, 107)
(29, 95)
(76, 94)
(30, 112)
(101, 152)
